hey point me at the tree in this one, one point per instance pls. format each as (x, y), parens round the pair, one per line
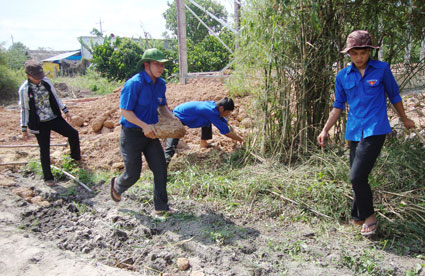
(290, 53)
(209, 55)
(118, 60)
(9, 80)
(195, 30)
(121, 60)
(96, 32)
(16, 56)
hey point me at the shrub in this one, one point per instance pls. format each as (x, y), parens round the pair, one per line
(9, 81)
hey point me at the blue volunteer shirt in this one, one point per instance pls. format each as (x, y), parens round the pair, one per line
(201, 114)
(141, 96)
(366, 98)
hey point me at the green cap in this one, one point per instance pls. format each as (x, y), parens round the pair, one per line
(153, 54)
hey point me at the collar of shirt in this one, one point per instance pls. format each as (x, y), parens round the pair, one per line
(35, 86)
(371, 63)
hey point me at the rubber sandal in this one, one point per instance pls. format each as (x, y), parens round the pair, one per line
(170, 211)
(369, 226)
(50, 183)
(115, 197)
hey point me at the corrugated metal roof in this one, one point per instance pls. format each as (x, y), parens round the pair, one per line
(62, 56)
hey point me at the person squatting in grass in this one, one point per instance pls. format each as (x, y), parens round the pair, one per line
(364, 85)
(41, 113)
(203, 114)
(141, 97)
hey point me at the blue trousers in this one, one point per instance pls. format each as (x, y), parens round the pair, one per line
(132, 144)
(363, 155)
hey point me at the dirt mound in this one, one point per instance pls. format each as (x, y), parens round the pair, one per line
(97, 120)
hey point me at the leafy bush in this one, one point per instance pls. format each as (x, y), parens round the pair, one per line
(17, 54)
(118, 60)
(209, 55)
(9, 80)
(121, 60)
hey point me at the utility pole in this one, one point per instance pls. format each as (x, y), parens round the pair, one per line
(181, 31)
(12, 39)
(237, 7)
(100, 26)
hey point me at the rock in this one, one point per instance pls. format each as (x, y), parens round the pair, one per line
(105, 130)
(120, 235)
(40, 201)
(117, 166)
(183, 263)
(248, 249)
(6, 182)
(109, 124)
(97, 124)
(77, 121)
(61, 86)
(27, 199)
(24, 192)
(169, 128)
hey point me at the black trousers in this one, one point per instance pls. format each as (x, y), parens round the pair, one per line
(363, 155)
(206, 132)
(132, 144)
(60, 126)
(171, 143)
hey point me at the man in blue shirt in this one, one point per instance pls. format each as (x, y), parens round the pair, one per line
(141, 97)
(364, 85)
(203, 114)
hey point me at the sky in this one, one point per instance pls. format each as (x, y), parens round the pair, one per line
(56, 24)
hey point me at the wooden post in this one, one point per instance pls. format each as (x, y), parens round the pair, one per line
(32, 145)
(181, 30)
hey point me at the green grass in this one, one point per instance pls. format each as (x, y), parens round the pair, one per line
(91, 81)
(69, 165)
(364, 264)
(317, 183)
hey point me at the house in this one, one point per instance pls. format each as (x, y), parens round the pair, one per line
(52, 66)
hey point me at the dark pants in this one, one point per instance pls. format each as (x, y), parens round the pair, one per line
(132, 144)
(60, 126)
(206, 132)
(171, 144)
(363, 155)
